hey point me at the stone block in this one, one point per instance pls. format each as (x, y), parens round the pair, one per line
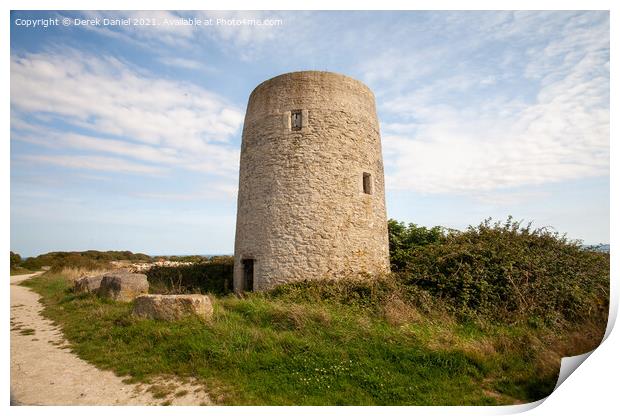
(88, 284)
(172, 307)
(123, 287)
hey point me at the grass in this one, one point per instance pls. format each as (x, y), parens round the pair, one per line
(266, 350)
(160, 391)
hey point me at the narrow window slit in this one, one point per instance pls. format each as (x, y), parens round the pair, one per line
(367, 183)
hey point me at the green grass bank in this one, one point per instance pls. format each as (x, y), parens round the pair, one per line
(462, 320)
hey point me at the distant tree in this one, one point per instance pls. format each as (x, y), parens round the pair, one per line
(16, 260)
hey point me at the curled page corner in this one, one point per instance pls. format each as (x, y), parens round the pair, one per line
(568, 365)
(611, 320)
(521, 408)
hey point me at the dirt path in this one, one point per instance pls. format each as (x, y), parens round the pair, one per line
(45, 373)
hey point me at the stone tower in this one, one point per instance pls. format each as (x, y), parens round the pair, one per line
(311, 200)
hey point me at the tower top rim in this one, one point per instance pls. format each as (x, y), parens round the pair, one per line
(309, 73)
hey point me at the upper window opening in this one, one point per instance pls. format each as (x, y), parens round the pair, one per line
(367, 183)
(296, 120)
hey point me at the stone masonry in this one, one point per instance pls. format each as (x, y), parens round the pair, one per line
(311, 200)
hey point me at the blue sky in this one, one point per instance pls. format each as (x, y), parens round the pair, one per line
(127, 137)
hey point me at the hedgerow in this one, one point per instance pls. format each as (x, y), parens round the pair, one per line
(212, 275)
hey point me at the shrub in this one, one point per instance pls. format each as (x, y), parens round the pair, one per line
(90, 260)
(509, 272)
(213, 276)
(31, 263)
(403, 238)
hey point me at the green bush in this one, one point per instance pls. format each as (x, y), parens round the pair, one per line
(404, 237)
(210, 276)
(509, 272)
(91, 259)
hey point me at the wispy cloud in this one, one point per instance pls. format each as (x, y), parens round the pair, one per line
(156, 27)
(215, 191)
(105, 94)
(125, 110)
(509, 198)
(185, 63)
(451, 134)
(245, 40)
(233, 32)
(101, 163)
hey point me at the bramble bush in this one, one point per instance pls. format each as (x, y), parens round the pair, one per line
(404, 237)
(510, 272)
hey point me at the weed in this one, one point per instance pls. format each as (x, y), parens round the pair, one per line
(160, 391)
(180, 393)
(27, 331)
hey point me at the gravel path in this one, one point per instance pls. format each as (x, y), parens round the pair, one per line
(45, 373)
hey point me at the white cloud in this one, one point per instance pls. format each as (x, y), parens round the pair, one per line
(386, 68)
(101, 163)
(130, 112)
(244, 40)
(50, 139)
(106, 94)
(445, 136)
(215, 191)
(510, 198)
(185, 63)
(151, 27)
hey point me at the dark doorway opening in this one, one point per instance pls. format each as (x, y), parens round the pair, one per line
(248, 275)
